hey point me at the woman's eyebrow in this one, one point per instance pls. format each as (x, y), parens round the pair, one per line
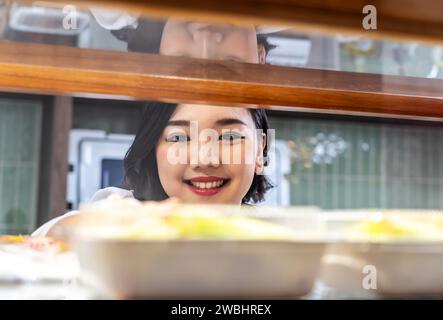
(220, 122)
(184, 123)
(228, 121)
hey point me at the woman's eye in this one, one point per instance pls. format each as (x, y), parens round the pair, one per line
(177, 137)
(231, 137)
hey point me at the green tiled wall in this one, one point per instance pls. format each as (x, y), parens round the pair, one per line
(383, 166)
(20, 127)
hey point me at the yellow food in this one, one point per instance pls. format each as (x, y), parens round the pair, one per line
(163, 221)
(392, 227)
(218, 226)
(12, 239)
(45, 244)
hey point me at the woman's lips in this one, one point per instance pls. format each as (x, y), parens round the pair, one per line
(206, 186)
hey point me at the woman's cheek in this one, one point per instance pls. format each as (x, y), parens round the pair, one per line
(245, 171)
(241, 176)
(169, 173)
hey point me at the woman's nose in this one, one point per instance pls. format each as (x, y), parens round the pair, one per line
(206, 38)
(204, 157)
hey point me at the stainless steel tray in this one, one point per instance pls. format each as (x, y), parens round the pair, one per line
(200, 269)
(272, 266)
(410, 265)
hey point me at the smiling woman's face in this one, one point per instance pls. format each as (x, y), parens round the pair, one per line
(205, 176)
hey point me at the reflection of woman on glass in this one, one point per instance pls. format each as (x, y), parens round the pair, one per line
(148, 173)
(198, 40)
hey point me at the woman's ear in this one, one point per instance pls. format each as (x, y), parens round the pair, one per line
(260, 160)
(261, 54)
(259, 165)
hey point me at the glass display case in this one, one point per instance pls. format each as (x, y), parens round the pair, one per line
(353, 94)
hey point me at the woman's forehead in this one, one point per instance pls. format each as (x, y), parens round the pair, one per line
(209, 115)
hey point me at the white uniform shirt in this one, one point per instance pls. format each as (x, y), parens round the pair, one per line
(99, 195)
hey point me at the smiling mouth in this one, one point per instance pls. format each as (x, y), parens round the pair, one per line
(206, 187)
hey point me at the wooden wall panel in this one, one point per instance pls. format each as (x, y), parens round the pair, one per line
(57, 123)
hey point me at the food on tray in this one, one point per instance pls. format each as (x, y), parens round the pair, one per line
(42, 244)
(26, 258)
(205, 253)
(129, 219)
(391, 226)
(405, 247)
(202, 223)
(8, 239)
(46, 244)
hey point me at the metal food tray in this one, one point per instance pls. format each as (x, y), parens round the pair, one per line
(125, 268)
(200, 269)
(409, 267)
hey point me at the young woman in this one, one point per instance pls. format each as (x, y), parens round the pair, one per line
(209, 178)
(148, 173)
(152, 174)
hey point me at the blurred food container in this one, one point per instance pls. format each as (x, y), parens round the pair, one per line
(25, 258)
(402, 250)
(36, 268)
(132, 250)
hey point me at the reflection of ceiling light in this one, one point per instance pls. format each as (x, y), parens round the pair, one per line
(320, 149)
(326, 147)
(364, 146)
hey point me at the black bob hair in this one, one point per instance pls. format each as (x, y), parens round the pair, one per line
(141, 170)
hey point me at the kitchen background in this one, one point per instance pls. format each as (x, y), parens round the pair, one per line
(328, 161)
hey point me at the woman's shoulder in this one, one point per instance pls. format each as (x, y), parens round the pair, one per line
(105, 193)
(101, 194)
(248, 205)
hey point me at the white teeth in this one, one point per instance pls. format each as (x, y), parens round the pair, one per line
(207, 185)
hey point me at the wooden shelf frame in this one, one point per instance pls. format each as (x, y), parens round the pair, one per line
(60, 70)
